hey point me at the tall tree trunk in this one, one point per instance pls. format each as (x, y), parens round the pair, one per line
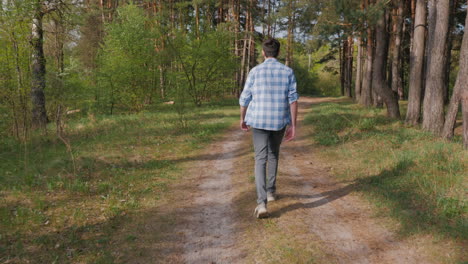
(269, 19)
(358, 82)
(234, 19)
(366, 90)
(197, 20)
(461, 87)
(379, 69)
(101, 6)
(251, 29)
(162, 82)
(38, 70)
(448, 50)
(19, 92)
(349, 67)
(405, 55)
(413, 9)
(243, 74)
(465, 116)
(433, 108)
(396, 62)
(416, 64)
(290, 37)
(342, 53)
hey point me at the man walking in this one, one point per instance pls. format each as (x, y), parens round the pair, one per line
(268, 105)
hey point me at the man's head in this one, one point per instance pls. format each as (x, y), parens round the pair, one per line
(271, 48)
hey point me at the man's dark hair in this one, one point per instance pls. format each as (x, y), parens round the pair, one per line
(271, 47)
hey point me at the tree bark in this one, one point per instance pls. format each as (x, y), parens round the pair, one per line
(290, 37)
(465, 117)
(342, 53)
(162, 82)
(269, 19)
(433, 109)
(38, 70)
(416, 64)
(197, 21)
(379, 69)
(366, 90)
(448, 50)
(460, 90)
(251, 27)
(349, 67)
(358, 82)
(396, 62)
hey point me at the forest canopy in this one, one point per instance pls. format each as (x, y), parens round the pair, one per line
(112, 56)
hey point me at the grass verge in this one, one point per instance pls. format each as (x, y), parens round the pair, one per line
(416, 178)
(54, 212)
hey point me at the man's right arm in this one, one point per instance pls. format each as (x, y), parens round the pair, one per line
(243, 125)
(244, 100)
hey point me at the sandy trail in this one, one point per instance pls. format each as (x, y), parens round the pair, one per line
(210, 234)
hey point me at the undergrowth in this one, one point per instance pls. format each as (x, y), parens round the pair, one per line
(51, 212)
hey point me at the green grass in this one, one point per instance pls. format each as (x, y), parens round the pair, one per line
(416, 178)
(52, 212)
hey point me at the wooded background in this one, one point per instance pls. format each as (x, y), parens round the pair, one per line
(105, 56)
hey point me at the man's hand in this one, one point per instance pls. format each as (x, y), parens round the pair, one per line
(290, 133)
(244, 126)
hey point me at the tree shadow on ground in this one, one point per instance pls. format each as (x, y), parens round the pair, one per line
(332, 195)
(415, 211)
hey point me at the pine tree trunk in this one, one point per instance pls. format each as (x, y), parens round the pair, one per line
(269, 27)
(416, 64)
(448, 50)
(38, 71)
(342, 49)
(101, 5)
(396, 62)
(465, 116)
(366, 90)
(379, 69)
(162, 82)
(252, 60)
(433, 109)
(358, 82)
(460, 90)
(290, 37)
(349, 67)
(197, 21)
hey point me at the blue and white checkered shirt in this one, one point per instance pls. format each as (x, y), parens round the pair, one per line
(269, 90)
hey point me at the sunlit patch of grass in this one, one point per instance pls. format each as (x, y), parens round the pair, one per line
(417, 178)
(52, 212)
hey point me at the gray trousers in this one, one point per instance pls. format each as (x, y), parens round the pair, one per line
(267, 145)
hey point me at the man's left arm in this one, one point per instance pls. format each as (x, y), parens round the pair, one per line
(292, 99)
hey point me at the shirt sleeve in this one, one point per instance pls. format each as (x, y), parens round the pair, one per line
(293, 96)
(246, 95)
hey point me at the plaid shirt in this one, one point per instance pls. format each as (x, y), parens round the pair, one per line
(269, 90)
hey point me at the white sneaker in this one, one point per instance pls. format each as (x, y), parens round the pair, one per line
(271, 197)
(261, 211)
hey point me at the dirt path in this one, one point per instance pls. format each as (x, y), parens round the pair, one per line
(210, 233)
(315, 219)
